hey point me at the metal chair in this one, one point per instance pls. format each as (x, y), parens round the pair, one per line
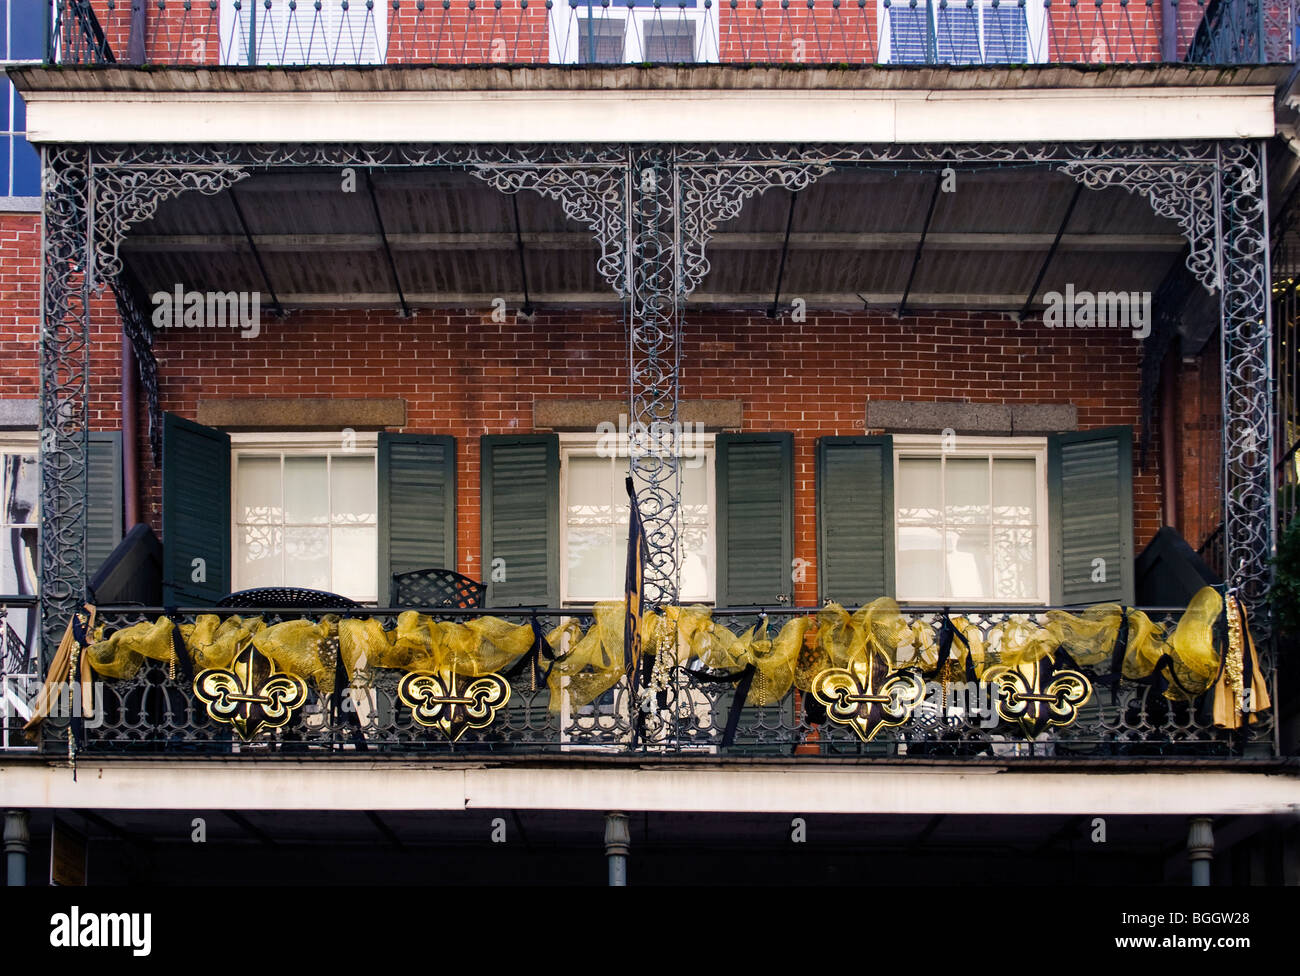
(436, 588)
(286, 596)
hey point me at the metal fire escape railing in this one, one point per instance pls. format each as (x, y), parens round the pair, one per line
(829, 32)
(73, 34)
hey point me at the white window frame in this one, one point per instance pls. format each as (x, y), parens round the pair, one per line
(931, 446)
(297, 444)
(1036, 36)
(327, 39)
(586, 445)
(563, 28)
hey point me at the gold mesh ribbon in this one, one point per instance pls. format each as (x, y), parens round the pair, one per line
(591, 662)
(1235, 702)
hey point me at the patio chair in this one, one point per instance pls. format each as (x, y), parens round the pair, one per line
(436, 588)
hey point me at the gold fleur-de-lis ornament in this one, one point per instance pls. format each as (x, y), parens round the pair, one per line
(251, 694)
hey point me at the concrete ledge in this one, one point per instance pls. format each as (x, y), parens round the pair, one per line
(742, 787)
(20, 414)
(587, 414)
(928, 417)
(324, 413)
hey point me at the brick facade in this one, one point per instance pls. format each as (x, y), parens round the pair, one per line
(465, 375)
(1111, 31)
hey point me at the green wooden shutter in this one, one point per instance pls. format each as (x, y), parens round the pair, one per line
(417, 505)
(196, 512)
(855, 519)
(1090, 476)
(104, 504)
(755, 537)
(520, 500)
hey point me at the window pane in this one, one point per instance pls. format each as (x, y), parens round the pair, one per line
(908, 34)
(697, 557)
(966, 490)
(918, 491)
(353, 490)
(969, 563)
(258, 491)
(669, 40)
(592, 562)
(259, 556)
(18, 572)
(1006, 34)
(1015, 563)
(957, 40)
(306, 491)
(22, 489)
(27, 169)
(590, 489)
(600, 40)
(920, 561)
(356, 568)
(307, 558)
(1015, 490)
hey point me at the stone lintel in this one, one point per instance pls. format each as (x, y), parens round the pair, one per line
(586, 415)
(294, 413)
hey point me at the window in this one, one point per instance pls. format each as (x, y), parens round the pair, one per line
(304, 33)
(677, 31)
(306, 513)
(971, 520)
(22, 35)
(19, 523)
(962, 32)
(594, 519)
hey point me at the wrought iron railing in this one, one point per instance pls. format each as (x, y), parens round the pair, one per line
(154, 712)
(825, 32)
(19, 667)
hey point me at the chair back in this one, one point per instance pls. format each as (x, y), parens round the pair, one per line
(436, 588)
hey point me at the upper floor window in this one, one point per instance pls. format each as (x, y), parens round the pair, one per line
(20, 516)
(22, 35)
(971, 519)
(619, 32)
(962, 32)
(303, 32)
(305, 513)
(594, 514)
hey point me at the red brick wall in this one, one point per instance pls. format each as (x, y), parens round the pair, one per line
(464, 375)
(20, 304)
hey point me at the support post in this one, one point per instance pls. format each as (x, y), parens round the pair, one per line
(65, 385)
(617, 841)
(1200, 850)
(17, 845)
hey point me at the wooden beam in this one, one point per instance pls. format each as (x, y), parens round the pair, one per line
(578, 240)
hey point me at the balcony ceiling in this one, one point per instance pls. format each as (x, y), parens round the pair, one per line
(853, 240)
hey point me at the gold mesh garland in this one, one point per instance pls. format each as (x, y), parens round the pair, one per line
(590, 661)
(1235, 704)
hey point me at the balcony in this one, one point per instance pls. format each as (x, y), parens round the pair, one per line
(960, 33)
(958, 709)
